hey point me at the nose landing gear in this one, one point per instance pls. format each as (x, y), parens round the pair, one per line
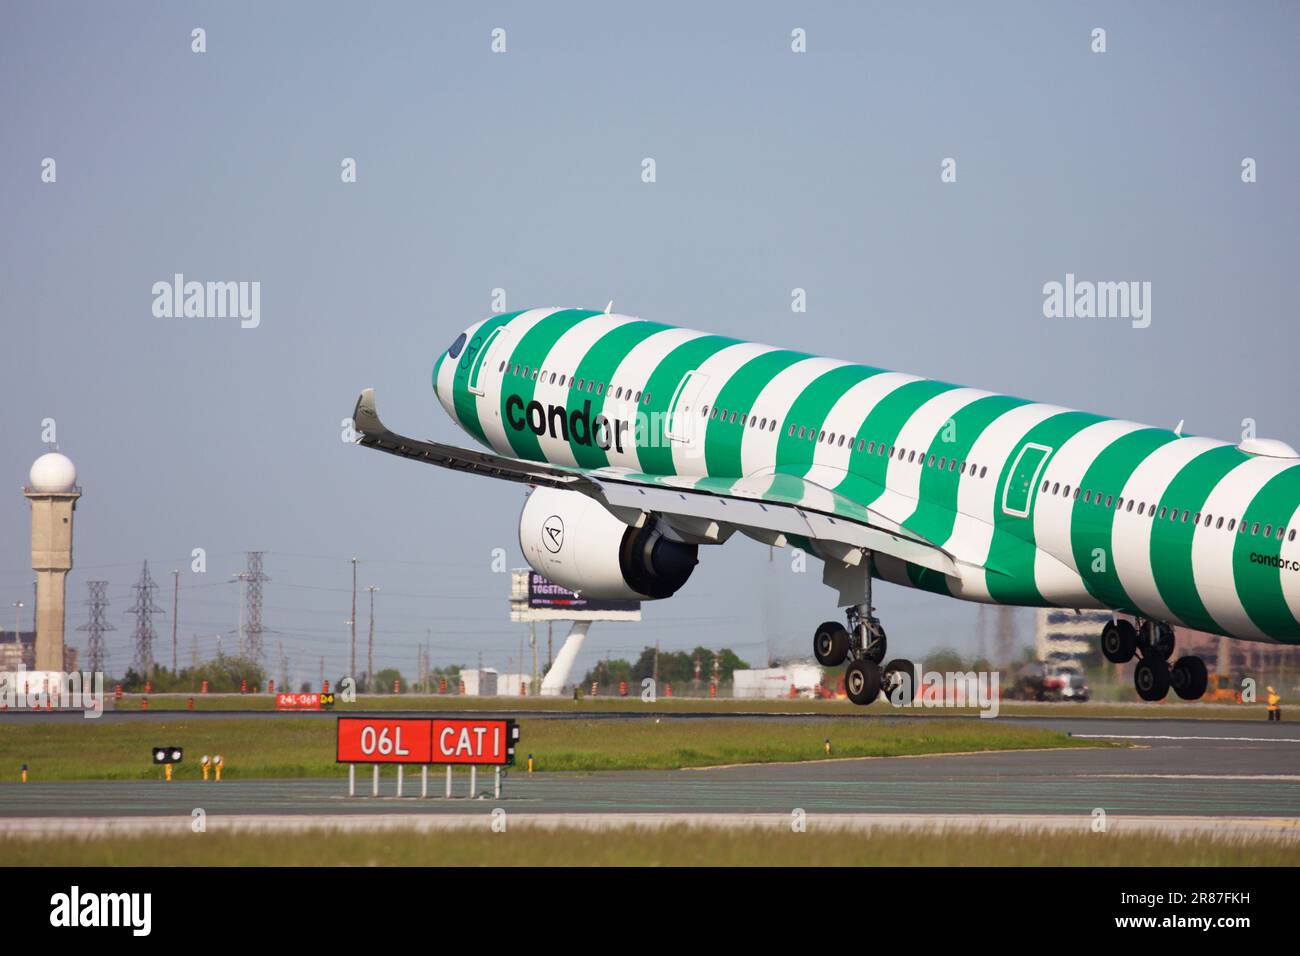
(1153, 642)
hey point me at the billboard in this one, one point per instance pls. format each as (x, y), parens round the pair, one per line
(545, 594)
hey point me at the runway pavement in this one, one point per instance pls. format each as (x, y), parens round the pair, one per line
(1195, 771)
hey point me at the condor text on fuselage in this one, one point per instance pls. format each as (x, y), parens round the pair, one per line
(577, 426)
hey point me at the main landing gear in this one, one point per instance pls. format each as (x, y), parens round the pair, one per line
(1153, 642)
(862, 643)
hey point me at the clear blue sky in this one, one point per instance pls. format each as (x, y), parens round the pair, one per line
(522, 171)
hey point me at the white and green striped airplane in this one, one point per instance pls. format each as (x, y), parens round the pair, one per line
(646, 441)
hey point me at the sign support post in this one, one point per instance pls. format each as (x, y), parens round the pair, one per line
(352, 780)
(374, 790)
(399, 779)
(496, 791)
(448, 781)
(424, 780)
(473, 780)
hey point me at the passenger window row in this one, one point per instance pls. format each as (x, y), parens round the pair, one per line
(1183, 516)
(882, 450)
(619, 393)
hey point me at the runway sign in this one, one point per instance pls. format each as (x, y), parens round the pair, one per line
(470, 741)
(384, 740)
(304, 701)
(474, 741)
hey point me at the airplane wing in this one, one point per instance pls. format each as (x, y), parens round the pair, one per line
(773, 509)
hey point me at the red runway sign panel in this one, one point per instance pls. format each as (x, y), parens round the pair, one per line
(473, 741)
(384, 740)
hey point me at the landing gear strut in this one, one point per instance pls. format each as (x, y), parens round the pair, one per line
(1153, 642)
(862, 643)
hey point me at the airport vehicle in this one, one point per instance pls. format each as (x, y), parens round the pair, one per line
(1074, 687)
(647, 442)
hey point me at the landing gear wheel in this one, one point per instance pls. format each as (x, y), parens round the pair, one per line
(862, 681)
(872, 640)
(1151, 677)
(831, 644)
(1157, 636)
(896, 672)
(1119, 642)
(1188, 678)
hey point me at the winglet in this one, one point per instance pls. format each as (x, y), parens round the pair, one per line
(364, 417)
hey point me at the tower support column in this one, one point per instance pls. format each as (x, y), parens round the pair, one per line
(51, 560)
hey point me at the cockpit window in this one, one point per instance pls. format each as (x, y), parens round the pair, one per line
(456, 346)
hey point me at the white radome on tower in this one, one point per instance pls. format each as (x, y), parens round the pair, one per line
(52, 472)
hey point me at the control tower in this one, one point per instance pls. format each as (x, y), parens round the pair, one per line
(52, 490)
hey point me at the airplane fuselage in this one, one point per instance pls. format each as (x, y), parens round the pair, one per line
(1038, 505)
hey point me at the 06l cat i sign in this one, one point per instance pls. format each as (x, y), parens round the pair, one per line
(477, 741)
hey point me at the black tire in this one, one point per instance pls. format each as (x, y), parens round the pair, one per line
(1119, 641)
(831, 644)
(876, 643)
(902, 666)
(862, 681)
(1189, 678)
(1157, 637)
(1151, 678)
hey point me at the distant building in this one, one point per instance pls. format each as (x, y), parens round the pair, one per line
(1064, 638)
(775, 682)
(20, 654)
(480, 683)
(17, 652)
(514, 685)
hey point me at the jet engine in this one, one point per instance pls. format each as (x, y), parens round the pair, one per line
(575, 542)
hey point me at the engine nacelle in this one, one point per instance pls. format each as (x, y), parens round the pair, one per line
(575, 542)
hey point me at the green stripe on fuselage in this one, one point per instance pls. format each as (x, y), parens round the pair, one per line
(810, 410)
(936, 510)
(657, 456)
(1258, 581)
(463, 400)
(1092, 526)
(722, 438)
(1171, 541)
(866, 478)
(436, 367)
(531, 351)
(1012, 547)
(599, 365)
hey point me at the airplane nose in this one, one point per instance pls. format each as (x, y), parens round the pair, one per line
(447, 361)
